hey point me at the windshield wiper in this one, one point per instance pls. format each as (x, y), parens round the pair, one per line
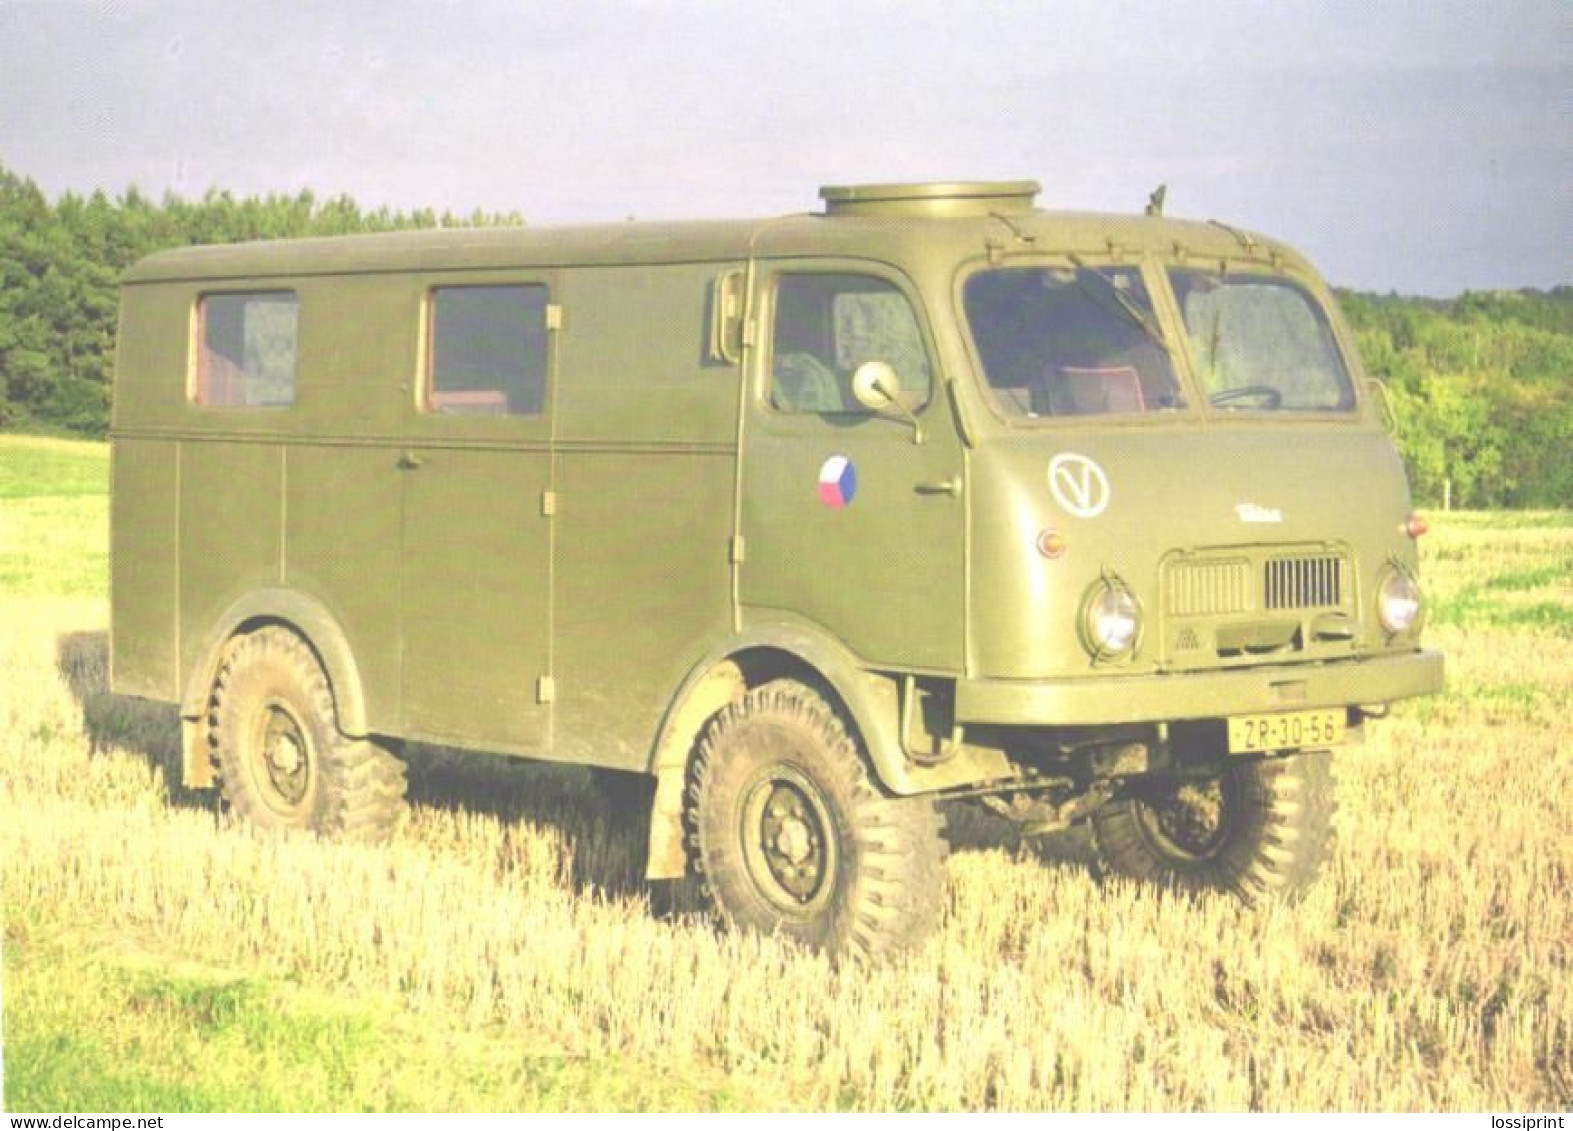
(1129, 307)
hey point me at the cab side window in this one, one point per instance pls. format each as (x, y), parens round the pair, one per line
(489, 350)
(246, 349)
(826, 325)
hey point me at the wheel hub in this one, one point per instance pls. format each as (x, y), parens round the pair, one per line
(794, 841)
(284, 755)
(1191, 821)
(790, 852)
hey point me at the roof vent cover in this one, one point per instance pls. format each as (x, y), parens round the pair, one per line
(947, 198)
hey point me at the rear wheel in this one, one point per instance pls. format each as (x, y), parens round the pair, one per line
(1261, 829)
(793, 837)
(280, 758)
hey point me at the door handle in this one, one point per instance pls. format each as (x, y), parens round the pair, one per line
(951, 487)
(409, 461)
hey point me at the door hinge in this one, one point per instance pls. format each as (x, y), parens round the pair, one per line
(548, 503)
(554, 316)
(545, 689)
(738, 551)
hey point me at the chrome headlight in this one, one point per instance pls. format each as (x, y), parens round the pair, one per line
(1398, 602)
(1112, 619)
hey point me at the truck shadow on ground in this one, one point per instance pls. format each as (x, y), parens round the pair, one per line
(972, 828)
(601, 824)
(601, 818)
(601, 821)
(150, 731)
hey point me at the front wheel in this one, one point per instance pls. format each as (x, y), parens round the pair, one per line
(792, 836)
(1261, 829)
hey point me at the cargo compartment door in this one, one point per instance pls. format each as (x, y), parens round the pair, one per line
(477, 478)
(847, 521)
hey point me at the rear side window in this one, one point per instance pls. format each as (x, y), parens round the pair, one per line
(246, 352)
(488, 350)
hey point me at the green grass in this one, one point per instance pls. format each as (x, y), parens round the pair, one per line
(103, 1026)
(1518, 581)
(1498, 521)
(1500, 571)
(56, 495)
(31, 466)
(1475, 608)
(54, 545)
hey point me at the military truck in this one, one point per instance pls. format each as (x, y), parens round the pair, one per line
(821, 521)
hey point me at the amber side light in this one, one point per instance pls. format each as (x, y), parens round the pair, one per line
(1051, 544)
(1415, 525)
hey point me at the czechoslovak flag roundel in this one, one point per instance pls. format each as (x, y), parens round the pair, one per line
(838, 482)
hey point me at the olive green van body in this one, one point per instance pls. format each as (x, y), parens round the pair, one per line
(590, 581)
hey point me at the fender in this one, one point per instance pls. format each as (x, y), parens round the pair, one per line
(840, 670)
(315, 624)
(745, 660)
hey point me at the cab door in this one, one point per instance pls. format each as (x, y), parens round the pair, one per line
(848, 521)
(477, 471)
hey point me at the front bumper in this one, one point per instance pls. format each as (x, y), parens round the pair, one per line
(1169, 696)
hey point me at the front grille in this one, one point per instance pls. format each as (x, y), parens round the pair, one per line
(1243, 583)
(1209, 588)
(1230, 606)
(1303, 582)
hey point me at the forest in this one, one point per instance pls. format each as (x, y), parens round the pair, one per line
(1481, 384)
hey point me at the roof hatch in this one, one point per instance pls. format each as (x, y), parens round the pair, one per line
(944, 198)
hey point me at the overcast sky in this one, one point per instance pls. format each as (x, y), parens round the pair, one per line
(1424, 146)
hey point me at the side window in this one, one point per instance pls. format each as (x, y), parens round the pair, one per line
(488, 350)
(826, 325)
(246, 349)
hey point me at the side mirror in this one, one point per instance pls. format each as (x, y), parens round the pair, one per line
(876, 387)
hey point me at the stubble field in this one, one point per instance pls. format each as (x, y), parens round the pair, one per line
(501, 953)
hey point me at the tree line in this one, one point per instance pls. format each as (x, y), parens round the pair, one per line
(1482, 385)
(60, 266)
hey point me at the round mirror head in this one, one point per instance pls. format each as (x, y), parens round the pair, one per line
(875, 385)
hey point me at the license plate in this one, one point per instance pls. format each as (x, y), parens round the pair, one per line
(1252, 733)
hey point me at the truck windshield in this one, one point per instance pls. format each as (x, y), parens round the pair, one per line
(1261, 344)
(1061, 341)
